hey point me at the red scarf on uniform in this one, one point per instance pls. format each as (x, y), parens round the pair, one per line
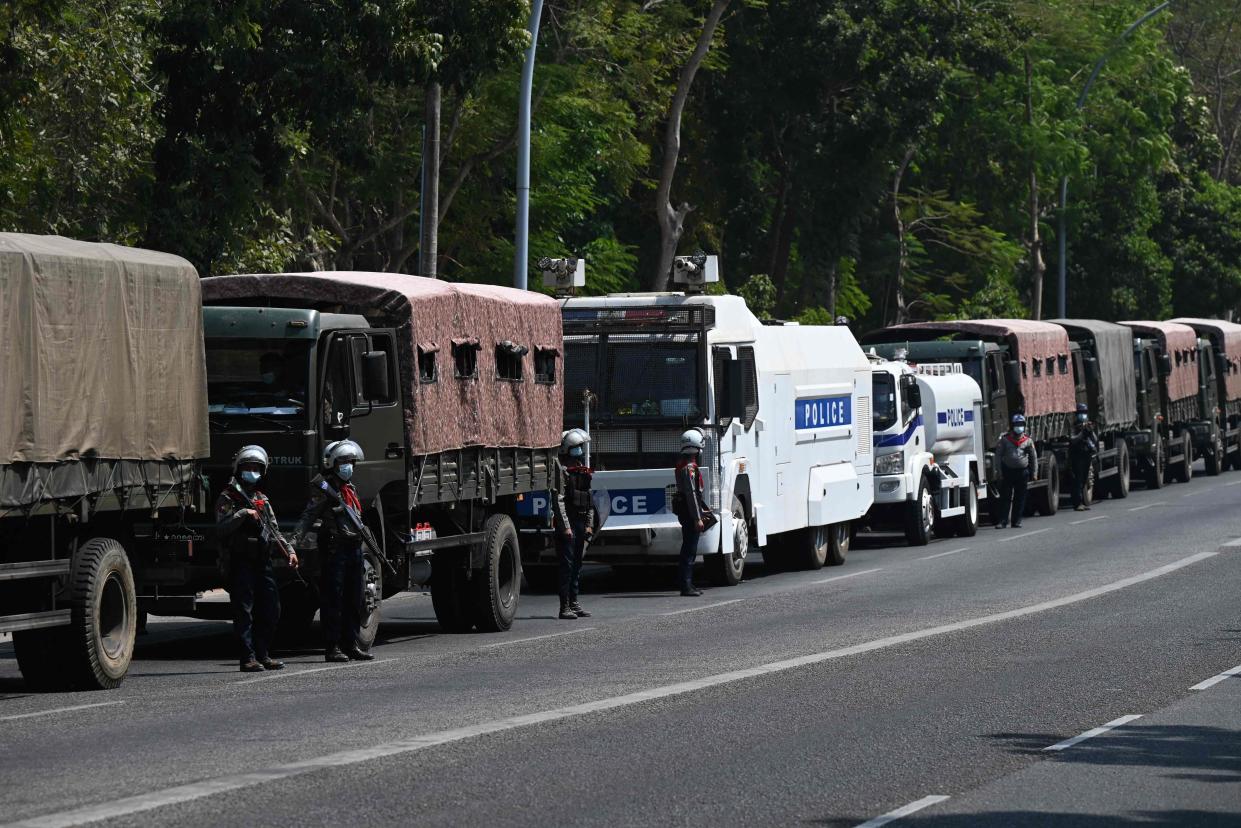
(350, 498)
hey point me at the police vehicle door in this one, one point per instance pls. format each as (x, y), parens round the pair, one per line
(377, 423)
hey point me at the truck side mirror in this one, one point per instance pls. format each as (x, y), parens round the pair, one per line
(913, 392)
(1012, 373)
(375, 376)
(1165, 365)
(732, 397)
(1092, 368)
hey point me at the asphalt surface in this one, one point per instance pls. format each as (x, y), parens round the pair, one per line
(922, 681)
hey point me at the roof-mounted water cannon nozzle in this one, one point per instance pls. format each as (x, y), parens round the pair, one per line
(563, 276)
(695, 272)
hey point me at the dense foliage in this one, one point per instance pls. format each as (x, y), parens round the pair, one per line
(883, 159)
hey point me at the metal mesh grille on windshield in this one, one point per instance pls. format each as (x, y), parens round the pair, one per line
(652, 375)
(581, 355)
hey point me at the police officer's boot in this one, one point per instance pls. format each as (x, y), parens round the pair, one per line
(577, 609)
(566, 611)
(356, 653)
(250, 665)
(334, 654)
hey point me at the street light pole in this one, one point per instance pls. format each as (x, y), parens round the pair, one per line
(1062, 221)
(522, 254)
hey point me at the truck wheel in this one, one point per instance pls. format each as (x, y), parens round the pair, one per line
(1121, 482)
(1047, 499)
(450, 595)
(1155, 474)
(840, 535)
(727, 570)
(920, 516)
(812, 547)
(1215, 458)
(1185, 468)
(104, 616)
(498, 585)
(966, 526)
(372, 599)
(298, 605)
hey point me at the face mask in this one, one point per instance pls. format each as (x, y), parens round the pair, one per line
(344, 471)
(576, 451)
(1081, 418)
(250, 477)
(1019, 429)
(269, 378)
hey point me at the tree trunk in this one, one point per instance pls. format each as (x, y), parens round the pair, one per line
(672, 219)
(781, 251)
(902, 258)
(429, 260)
(1034, 244)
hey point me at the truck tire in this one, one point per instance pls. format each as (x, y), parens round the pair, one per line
(812, 547)
(450, 596)
(1122, 480)
(1214, 459)
(372, 599)
(839, 536)
(728, 569)
(1155, 475)
(920, 515)
(966, 526)
(497, 587)
(1183, 471)
(1047, 499)
(104, 616)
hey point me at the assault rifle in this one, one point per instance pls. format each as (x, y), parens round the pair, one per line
(269, 532)
(361, 528)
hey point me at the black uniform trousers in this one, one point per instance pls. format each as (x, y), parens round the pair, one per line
(341, 601)
(689, 551)
(256, 603)
(1013, 486)
(571, 552)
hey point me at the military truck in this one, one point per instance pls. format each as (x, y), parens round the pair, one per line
(1111, 395)
(1021, 366)
(1185, 425)
(1225, 340)
(453, 391)
(102, 426)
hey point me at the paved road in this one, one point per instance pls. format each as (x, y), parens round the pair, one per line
(827, 698)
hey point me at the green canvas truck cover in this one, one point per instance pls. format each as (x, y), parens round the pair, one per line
(1112, 345)
(104, 375)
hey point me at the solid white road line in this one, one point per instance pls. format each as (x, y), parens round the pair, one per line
(58, 710)
(850, 575)
(574, 631)
(1023, 535)
(942, 554)
(1233, 483)
(1087, 520)
(703, 607)
(287, 673)
(224, 784)
(903, 811)
(1214, 680)
(1232, 544)
(1148, 505)
(1093, 732)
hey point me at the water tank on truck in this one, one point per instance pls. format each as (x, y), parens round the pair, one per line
(949, 400)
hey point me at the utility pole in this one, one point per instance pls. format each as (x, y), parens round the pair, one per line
(1062, 230)
(429, 219)
(522, 237)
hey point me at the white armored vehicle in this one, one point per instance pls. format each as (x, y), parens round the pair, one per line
(928, 439)
(786, 410)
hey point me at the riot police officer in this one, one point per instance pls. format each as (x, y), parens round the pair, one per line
(1018, 463)
(1083, 447)
(248, 535)
(691, 510)
(334, 502)
(575, 520)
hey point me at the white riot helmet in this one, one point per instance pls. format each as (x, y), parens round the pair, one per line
(341, 450)
(573, 442)
(693, 441)
(250, 454)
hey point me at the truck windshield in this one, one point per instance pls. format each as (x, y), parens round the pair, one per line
(885, 401)
(257, 377)
(649, 376)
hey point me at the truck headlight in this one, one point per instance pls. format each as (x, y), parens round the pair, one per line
(890, 463)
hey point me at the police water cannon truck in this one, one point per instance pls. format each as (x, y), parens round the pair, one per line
(929, 452)
(786, 410)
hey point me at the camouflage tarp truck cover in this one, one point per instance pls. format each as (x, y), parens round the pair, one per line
(105, 379)
(1229, 334)
(1113, 346)
(1042, 349)
(430, 314)
(1180, 343)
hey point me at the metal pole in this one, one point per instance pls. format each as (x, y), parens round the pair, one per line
(422, 203)
(522, 254)
(1062, 223)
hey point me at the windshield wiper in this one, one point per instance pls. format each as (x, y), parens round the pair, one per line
(284, 426)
